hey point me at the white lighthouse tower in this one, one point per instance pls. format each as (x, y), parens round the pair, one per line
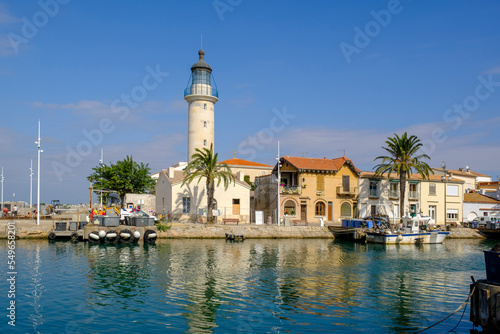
(201, 95)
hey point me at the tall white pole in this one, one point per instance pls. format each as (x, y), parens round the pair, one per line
(2, 187)
(279, 184)
(38, 188)
(101, 162)
(31, 184)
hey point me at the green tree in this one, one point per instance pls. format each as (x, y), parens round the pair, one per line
(126, 176)
(403, 159)
(204, 165)
(250, 183)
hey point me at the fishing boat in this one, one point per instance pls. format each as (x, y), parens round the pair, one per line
(414, 230)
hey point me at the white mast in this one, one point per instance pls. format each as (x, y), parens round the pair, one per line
(31, 184)
(38, 142)
(2, 187)
(279, 183)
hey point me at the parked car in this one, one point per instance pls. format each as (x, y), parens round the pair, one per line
(128, 212)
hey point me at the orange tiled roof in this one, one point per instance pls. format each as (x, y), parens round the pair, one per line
(324, 164)
(416, 176)
(479, 198)
(241, 162)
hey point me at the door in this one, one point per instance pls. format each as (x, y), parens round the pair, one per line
(330, 211)
(236, 206)
(432, 212)
(303, 212)
(413, 210)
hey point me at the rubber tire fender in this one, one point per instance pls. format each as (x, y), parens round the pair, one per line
(149, 240)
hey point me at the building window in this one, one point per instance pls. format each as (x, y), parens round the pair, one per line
(452, 214)
(320, 209)
(413, 191)
(394, 190)
(451, 190)
(432, 189)
(373, 189)
(345, 210)
(320, 183)
(204, 106)
(204, 142)
(346, 183)
(373, 210)
(290, 208)
(204, 124)
(186, 205)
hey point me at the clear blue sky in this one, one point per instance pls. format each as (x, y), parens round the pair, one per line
(347, 74)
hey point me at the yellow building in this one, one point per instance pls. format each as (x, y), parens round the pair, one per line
(313, 189)
(439, 198)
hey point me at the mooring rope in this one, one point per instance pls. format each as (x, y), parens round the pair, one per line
(458, 309)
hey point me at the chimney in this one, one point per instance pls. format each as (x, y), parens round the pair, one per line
(170, 172)
(240, 176)
(461, 169)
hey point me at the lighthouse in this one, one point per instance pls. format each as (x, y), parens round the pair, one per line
(201, 95)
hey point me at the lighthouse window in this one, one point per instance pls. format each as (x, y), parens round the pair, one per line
(204, 106)
(204, 142)
(204, 124)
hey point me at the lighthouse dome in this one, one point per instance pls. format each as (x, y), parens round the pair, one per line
(201, 64)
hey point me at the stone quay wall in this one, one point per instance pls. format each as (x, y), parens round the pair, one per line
(29, 229)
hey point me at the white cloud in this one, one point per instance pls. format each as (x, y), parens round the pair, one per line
(493, 70)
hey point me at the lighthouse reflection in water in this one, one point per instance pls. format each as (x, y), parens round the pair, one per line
(256, 286)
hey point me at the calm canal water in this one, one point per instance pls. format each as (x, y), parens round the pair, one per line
(255, 286)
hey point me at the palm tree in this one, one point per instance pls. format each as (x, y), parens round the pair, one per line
(403, 160)
(204, 165)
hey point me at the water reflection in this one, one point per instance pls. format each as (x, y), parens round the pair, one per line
(36, 289)
(206, 286)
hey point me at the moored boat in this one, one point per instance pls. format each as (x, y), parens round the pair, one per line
(415, 230)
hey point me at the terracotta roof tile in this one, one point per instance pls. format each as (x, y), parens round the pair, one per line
(319, 164)
(241, 162)
(479, 198)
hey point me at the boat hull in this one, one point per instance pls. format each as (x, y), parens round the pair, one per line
(407, 238)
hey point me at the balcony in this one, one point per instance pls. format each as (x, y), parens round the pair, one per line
(199, 89)
(290, 190)
(394, 194)
(414, 195)
(345, 191)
